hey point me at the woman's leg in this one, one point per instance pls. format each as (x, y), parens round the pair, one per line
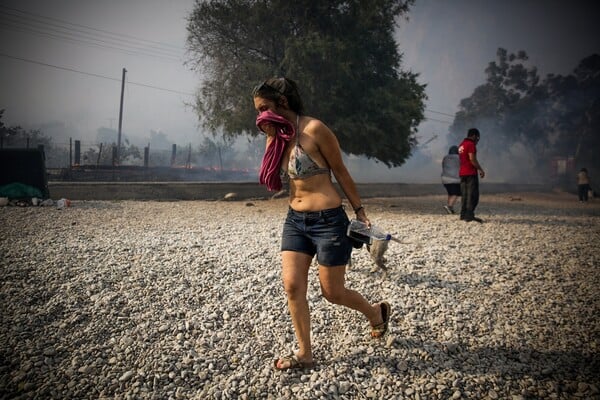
(333, 281)
(295, 282)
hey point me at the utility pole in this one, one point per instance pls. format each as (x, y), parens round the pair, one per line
(121, 117)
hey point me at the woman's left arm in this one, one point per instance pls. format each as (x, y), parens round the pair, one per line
(330, 149)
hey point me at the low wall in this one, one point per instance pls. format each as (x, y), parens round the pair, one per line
(244, 190)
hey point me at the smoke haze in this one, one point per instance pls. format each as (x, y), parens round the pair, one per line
(68, 85)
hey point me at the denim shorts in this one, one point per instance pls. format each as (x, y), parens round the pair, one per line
(319, 232)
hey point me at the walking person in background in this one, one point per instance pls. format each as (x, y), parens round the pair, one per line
(469, 181)
(306, 152)
(583, 185)
(450, 178)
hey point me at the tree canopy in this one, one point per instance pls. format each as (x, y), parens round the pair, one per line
(341, 53)
(557, 116)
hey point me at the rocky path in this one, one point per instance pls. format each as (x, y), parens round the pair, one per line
(156, 300)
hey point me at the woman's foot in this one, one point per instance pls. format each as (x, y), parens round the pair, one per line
(381, 329)
(292, 361)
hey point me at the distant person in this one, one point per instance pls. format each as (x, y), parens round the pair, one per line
(583, 185)
(450, 178)
(469, 182)
(305, 152)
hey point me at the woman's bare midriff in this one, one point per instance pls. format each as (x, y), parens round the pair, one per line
(314, 194)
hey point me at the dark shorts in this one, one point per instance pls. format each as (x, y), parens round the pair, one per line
(321, 232)
(453, 189)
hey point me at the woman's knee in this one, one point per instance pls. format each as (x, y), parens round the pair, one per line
(332, 283)
(334, 295)
(295, 289)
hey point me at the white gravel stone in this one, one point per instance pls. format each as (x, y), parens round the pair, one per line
(184, 300)
(126, 376)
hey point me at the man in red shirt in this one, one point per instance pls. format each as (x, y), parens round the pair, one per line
(469, 181)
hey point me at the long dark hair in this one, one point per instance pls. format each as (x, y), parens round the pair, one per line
(274, 88)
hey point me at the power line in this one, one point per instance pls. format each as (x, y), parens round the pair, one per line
(107, 40)
(52, 27)
(439, 112)
(136, 83)
(437, 120)
(16, 23)
(13, 20)
(93, 74)
(122, 50)
(120, 35)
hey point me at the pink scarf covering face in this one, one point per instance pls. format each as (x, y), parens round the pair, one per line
(271, 162)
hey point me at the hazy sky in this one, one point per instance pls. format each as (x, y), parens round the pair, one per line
(37, 94)
(56, 77)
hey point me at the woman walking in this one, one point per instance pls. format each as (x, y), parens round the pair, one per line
(305, 152)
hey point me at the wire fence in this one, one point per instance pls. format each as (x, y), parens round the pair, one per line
(77, 160)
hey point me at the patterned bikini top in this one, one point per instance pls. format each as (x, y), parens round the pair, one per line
(301, 165)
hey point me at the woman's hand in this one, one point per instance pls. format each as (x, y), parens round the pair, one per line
(268, 129)
(361, 215)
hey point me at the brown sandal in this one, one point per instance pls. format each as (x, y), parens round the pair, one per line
(293, 361)
(381, 329)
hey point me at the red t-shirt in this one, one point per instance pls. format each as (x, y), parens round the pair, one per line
(466, 166)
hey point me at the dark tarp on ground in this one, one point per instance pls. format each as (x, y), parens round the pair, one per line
(26, 166)
(18, 190)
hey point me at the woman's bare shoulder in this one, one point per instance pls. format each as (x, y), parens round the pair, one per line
(321, 135)
(315, 126)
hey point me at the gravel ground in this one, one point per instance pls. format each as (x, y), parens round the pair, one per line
(184, 300)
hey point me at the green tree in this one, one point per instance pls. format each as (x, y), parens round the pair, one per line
(342, 53)
(500, 107)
